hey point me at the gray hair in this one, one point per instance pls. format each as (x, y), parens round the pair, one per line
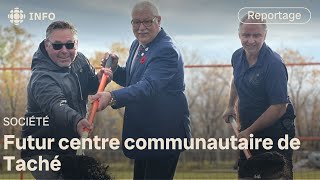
(146, 5)
(60, 25)
(246, 19)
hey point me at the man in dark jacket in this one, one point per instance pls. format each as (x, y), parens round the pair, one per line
(156, 106)
(61, 81)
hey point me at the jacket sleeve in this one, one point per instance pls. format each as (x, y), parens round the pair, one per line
(160, 70)
(120, 76)
(51, 100)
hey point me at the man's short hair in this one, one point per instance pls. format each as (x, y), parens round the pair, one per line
(146, 5)
(246, 19)
(60, 25)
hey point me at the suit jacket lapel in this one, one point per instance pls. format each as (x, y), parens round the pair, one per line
(135, 67)
(130, 59)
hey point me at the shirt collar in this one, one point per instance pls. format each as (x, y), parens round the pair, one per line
(160, 34)
(260, 59)
(262, 52)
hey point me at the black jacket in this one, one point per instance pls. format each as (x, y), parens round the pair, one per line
(60, 94)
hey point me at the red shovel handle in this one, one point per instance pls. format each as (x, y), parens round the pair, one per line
(102, 85)
(234, 126)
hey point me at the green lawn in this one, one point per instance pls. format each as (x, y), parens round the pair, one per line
(190, 170)
(215, 175)
(197, 174)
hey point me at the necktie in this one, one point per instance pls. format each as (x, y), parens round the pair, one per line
(137, 57)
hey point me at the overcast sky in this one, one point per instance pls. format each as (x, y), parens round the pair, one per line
(206, 26)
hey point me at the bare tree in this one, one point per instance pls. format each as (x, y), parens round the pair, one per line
(303, 89)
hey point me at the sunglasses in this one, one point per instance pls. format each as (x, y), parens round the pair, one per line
(58, 46)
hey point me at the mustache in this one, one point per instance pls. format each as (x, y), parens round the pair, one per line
(64, 55)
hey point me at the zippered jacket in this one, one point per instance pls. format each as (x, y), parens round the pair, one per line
(59, 95)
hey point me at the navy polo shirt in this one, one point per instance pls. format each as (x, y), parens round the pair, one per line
(261, 85)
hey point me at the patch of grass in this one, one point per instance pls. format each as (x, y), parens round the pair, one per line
(307, 174)
(204, 173)
(15, 175)
(204, 165)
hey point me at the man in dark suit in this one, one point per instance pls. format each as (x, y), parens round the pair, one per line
(155, 105)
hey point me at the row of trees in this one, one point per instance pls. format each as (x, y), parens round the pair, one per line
(15, 44)
(206, 88)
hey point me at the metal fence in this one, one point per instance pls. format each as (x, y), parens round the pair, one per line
(193, 164)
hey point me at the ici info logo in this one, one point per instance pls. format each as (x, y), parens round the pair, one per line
(17, 16)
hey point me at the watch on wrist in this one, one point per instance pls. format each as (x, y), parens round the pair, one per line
(113, 100)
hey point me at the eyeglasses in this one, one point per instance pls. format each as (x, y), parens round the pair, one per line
(58, 46)
(146, 23)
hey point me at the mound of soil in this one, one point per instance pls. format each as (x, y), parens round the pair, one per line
(82, 167)
(270, 165)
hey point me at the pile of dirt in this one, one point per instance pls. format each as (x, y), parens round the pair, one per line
(82, 167)
(270, 165)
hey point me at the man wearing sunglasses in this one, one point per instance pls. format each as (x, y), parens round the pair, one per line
(61, 80)
(156, 106)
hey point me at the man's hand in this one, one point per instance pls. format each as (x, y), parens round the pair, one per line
(244, 134)
(230, 111)
(115, 59)
(106, 71)
(82, 124)
(104, 99)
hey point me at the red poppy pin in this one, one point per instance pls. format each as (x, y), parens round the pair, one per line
(143, 59)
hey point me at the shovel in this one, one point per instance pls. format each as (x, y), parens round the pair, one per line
(234, 126)
(95, 104)
(269, 165)
(81, 166)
